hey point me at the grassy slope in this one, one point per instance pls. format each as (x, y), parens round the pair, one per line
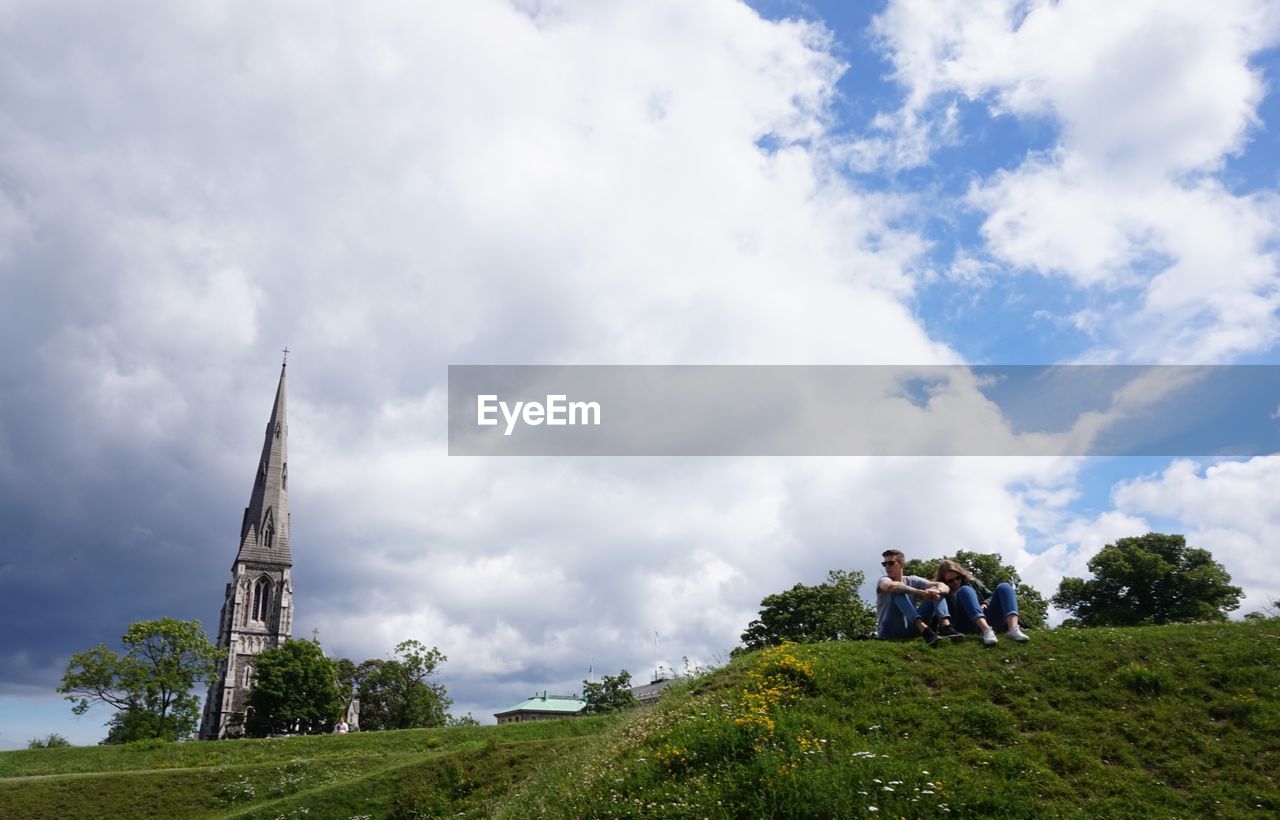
(369, 774)
(1160, 721)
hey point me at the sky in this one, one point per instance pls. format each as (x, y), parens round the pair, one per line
(389, 188)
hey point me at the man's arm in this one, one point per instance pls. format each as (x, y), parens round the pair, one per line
(932, 591)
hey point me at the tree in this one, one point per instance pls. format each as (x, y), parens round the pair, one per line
(988, 568)
(150, 685)
(611, 694)
(807, 614)
(1154, 579)
(465, 720)
(50, 741)
(295, 690)
(398, 693)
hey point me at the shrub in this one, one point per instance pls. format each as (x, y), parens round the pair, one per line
(1142, 680)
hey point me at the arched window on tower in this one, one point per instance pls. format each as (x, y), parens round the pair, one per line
(268, 530)
(261, 599)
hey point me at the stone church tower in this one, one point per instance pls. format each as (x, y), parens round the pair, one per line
(258, 611)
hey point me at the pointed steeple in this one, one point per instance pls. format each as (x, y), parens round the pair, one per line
(264, 532)
(257, 612)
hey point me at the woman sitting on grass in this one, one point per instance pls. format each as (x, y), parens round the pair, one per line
(971, 604)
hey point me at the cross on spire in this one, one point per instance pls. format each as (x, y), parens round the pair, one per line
(285, 351)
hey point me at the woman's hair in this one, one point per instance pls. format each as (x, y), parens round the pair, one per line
(947, 565)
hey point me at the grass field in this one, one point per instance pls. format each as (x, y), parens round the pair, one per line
(1175, 721)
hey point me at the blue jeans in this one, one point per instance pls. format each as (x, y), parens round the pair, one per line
(905, 627)
(969, 609)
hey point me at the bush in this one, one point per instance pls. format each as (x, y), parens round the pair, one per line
(51, 741)
(1142, 680)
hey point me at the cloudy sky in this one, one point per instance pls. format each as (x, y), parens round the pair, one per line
(388, 188)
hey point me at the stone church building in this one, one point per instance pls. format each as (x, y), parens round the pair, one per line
(258, 611)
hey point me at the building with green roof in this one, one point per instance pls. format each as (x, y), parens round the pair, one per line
(543, 707)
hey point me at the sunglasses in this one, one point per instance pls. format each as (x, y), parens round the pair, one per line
(889, 563)
(954, 579)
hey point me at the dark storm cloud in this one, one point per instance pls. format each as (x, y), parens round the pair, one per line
(102, 527)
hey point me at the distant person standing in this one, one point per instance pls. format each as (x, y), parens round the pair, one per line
(897, 614)
(342, 728)
(977, 607)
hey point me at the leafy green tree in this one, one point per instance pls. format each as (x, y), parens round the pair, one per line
(611, 694)
(988, 567)
(150, 685)
(1154, 579)
(464, 720)
(399, 693)
(50, 741)
(295, 689)
(807, 614)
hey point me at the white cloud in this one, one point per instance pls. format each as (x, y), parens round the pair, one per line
(1151, 98)
(1197, 255)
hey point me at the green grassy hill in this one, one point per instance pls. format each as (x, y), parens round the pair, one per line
(1162, 721)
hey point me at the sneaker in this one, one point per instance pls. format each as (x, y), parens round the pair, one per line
(929, 637)
(988, 637)
(950, 631)
(1018, 635)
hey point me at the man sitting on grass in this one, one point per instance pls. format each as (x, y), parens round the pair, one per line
(897, 615)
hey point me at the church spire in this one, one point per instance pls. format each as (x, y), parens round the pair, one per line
(257, 612)
(264, 532)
